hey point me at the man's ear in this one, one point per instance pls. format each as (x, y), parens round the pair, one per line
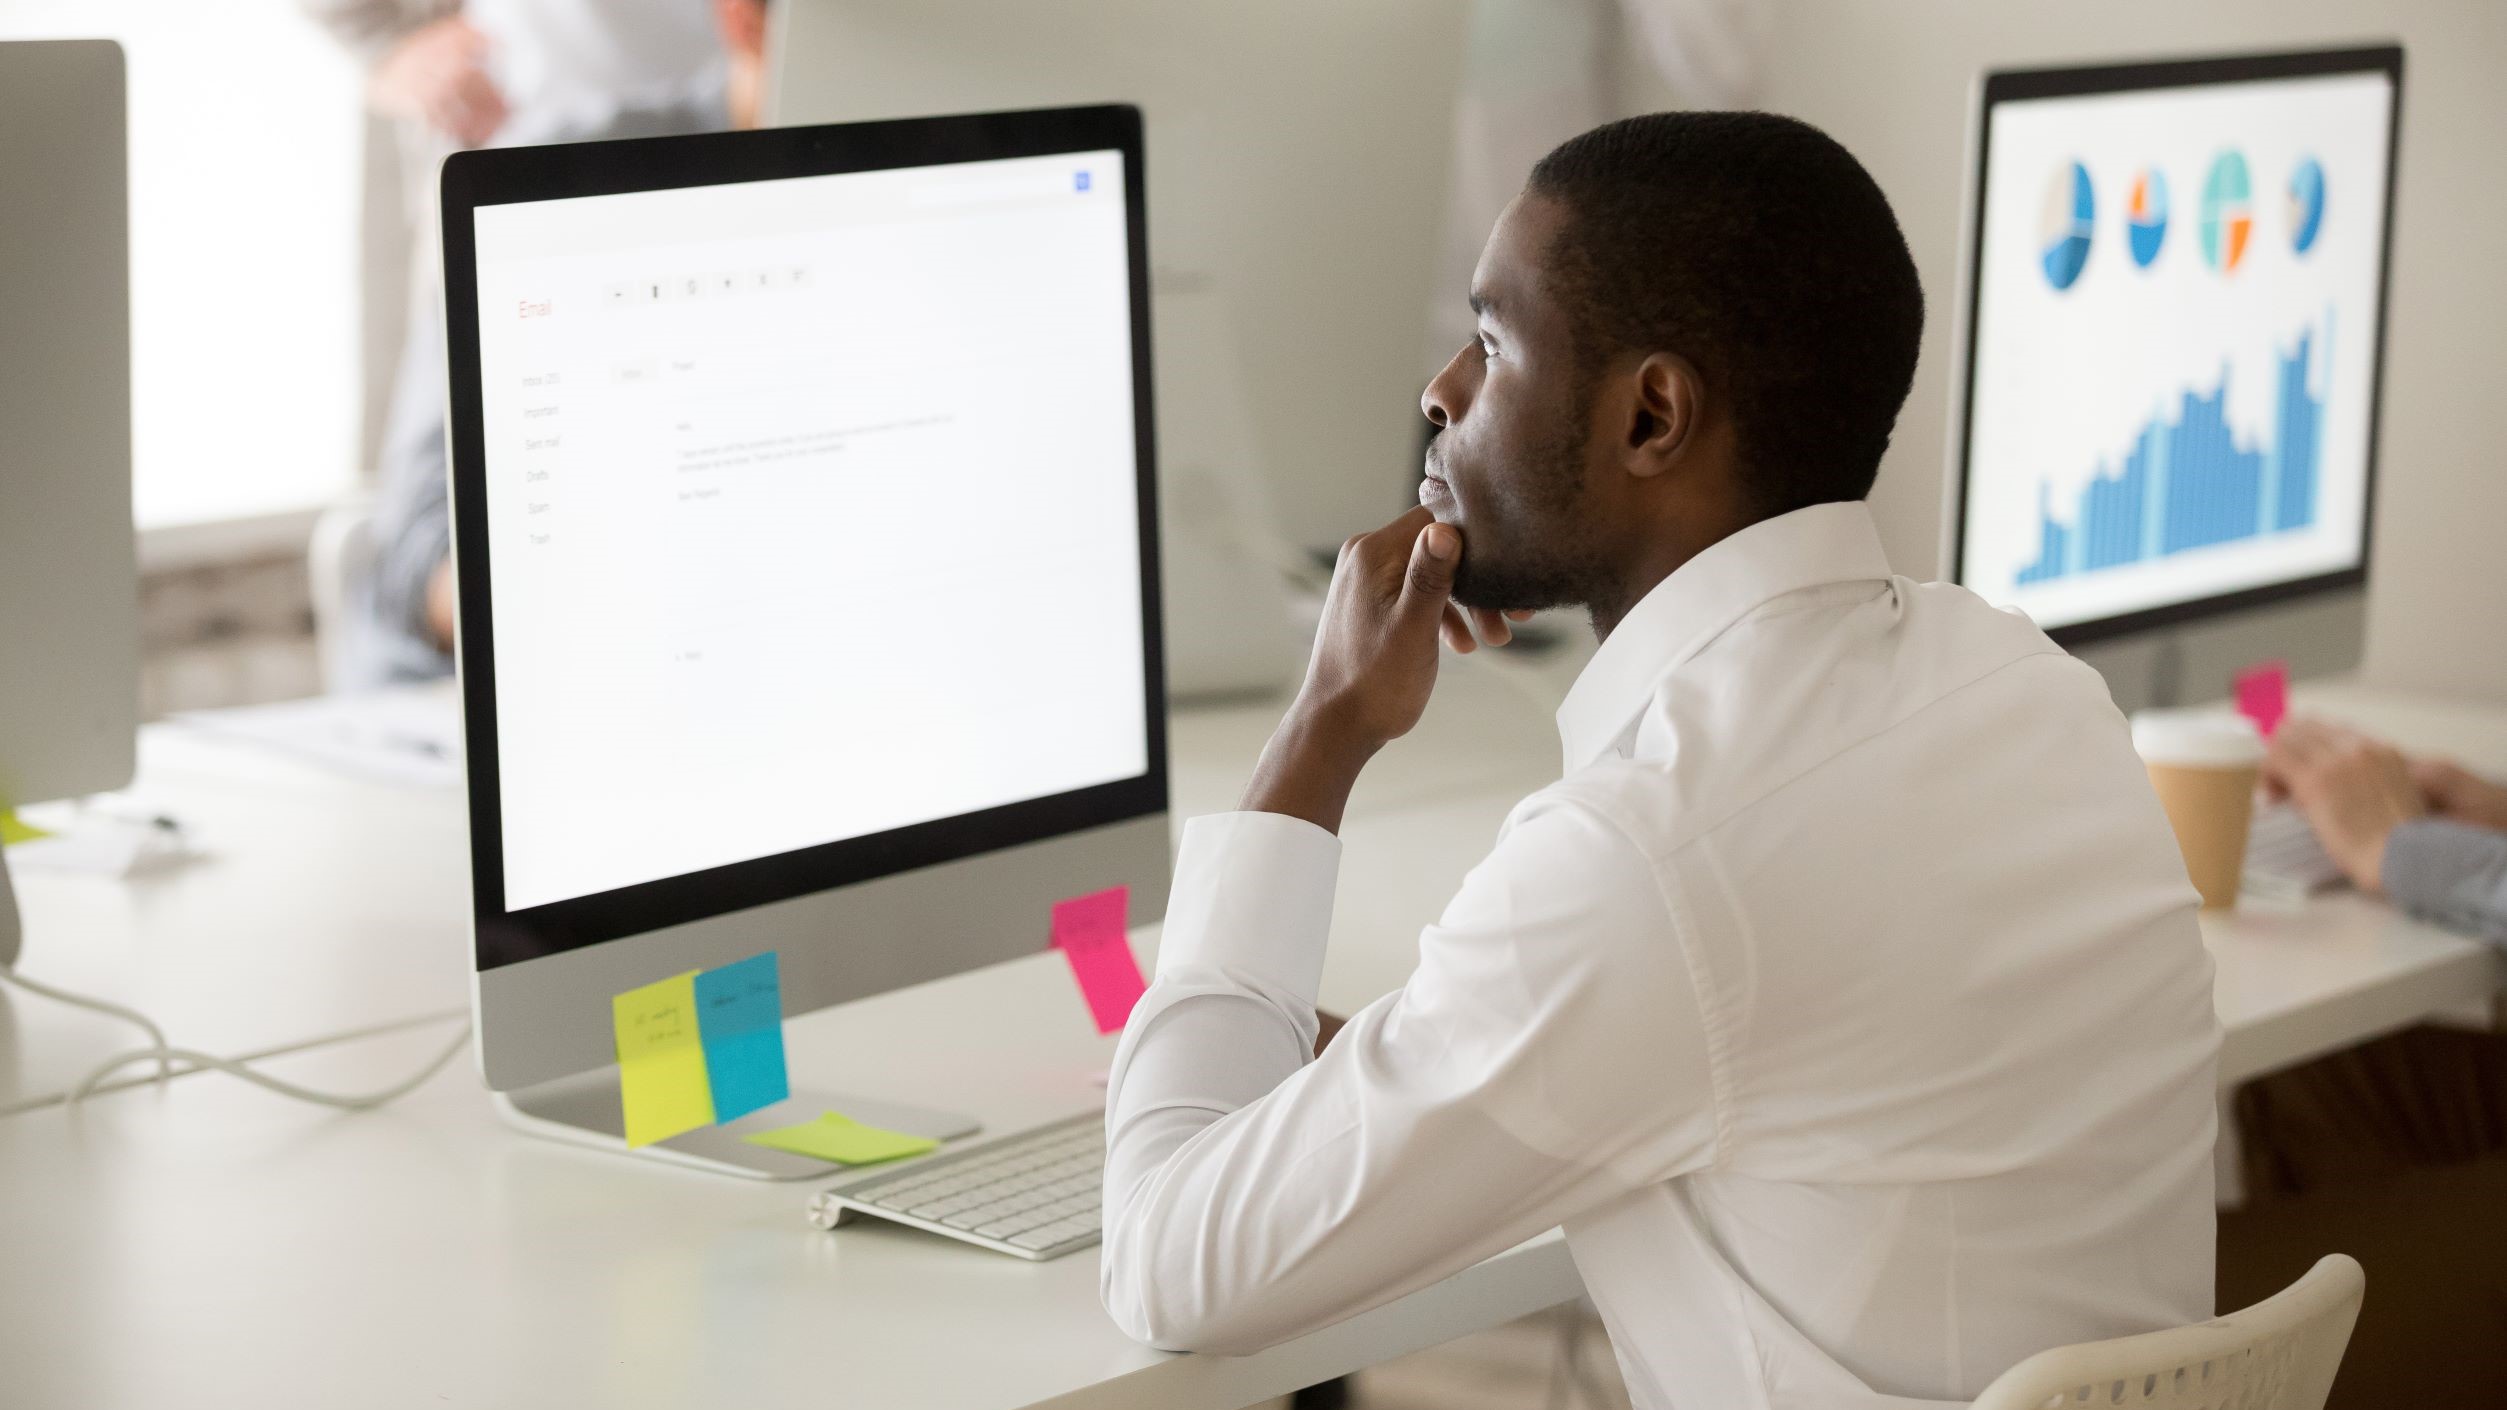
(1663, 413)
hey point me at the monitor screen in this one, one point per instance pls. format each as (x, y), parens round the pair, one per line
(813, 511)
(2172, 358)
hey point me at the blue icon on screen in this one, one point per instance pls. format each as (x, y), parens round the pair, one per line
(1079, 181)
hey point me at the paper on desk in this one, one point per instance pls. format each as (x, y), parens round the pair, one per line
(1091, 933)
(661, 1060)
(740, 1020)
(843, 1140)
(90, 841)
(401, 735)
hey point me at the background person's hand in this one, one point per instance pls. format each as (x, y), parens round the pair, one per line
(2457, 793)
(437, 74)
(2353, 790)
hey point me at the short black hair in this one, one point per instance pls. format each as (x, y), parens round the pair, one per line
(1757, 247)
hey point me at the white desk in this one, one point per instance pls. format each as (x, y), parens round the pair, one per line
(207, 1244)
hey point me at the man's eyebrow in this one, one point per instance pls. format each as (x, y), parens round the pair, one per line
(1485, 305)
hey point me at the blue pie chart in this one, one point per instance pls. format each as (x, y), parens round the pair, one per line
(2146, 216)
(2063, 226)
(2306, 204)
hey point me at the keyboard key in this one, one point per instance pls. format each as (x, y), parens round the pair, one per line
(1040, 1238)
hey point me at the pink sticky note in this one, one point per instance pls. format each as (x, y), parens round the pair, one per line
(1090, 932)
(2263, 694)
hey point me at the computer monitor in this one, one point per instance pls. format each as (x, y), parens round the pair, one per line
(2171, 362)
(69, 612)
(1302, 154)
(807, 563)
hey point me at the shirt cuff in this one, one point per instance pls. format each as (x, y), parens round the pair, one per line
(1253, 895)
(2426, 859)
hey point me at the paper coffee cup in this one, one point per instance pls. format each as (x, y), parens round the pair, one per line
(2204, 765)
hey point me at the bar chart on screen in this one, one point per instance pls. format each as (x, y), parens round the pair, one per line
(2190, 480)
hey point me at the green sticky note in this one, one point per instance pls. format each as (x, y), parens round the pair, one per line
(842, 1140)
(661, 1060)
(14, 829)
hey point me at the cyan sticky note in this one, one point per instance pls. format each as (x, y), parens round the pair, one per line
(2263, 694)
(661, 1060)
(740, 1016)
(1091, 932)
(841, 1139)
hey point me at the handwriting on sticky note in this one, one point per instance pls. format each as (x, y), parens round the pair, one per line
(2263, 694)
(841, 1139)
(740, 1022)
(661, 1060)
(1091, 932)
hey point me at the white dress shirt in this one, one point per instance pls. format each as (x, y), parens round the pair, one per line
(1843, 1002)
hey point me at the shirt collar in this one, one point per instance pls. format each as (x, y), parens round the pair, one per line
(1825, 543)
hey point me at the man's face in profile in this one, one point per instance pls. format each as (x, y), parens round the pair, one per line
(1512, 455)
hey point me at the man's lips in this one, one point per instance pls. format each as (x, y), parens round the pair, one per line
(1434, 490)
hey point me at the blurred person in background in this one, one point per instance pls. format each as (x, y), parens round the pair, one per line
(2394, 1151)
(454, 74)
(2426, 833)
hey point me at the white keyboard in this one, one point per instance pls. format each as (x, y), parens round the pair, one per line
(1034, 1193)
(2283, 855)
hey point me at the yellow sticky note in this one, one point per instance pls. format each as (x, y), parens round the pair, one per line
(14, 829)
(842, 1140)
(661, 1060)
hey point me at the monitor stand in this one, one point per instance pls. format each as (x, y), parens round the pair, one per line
(584, 1110)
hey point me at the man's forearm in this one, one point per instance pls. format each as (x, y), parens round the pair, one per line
(1307, 771)
(2451, 872)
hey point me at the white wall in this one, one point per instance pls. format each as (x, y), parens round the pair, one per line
(1891, 79)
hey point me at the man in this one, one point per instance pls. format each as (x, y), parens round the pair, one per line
(2425, 832)
(1844, 1001)
(580, 72)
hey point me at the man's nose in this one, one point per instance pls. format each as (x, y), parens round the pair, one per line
(1443, 402)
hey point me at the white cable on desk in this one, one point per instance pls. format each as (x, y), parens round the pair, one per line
(164, 1054)
(360, 1102)
(156, 1035)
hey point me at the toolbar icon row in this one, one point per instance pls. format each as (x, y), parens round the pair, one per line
(675, 288)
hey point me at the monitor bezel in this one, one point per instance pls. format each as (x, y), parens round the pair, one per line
(471, 180)
(2023, 85)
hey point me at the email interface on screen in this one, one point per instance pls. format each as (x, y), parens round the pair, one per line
(812, 511)
(2175, 343)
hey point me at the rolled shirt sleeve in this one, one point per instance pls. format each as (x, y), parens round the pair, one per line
(1547, 1055)
(2450, 872)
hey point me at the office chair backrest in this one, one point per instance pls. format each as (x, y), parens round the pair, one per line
(2279, 1354)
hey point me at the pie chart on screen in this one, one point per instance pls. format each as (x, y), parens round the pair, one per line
(2146, 215)
(2228, 215)
(2063, 226)
(2306, 204)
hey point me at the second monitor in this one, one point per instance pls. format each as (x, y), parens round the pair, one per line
(2175, 318)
